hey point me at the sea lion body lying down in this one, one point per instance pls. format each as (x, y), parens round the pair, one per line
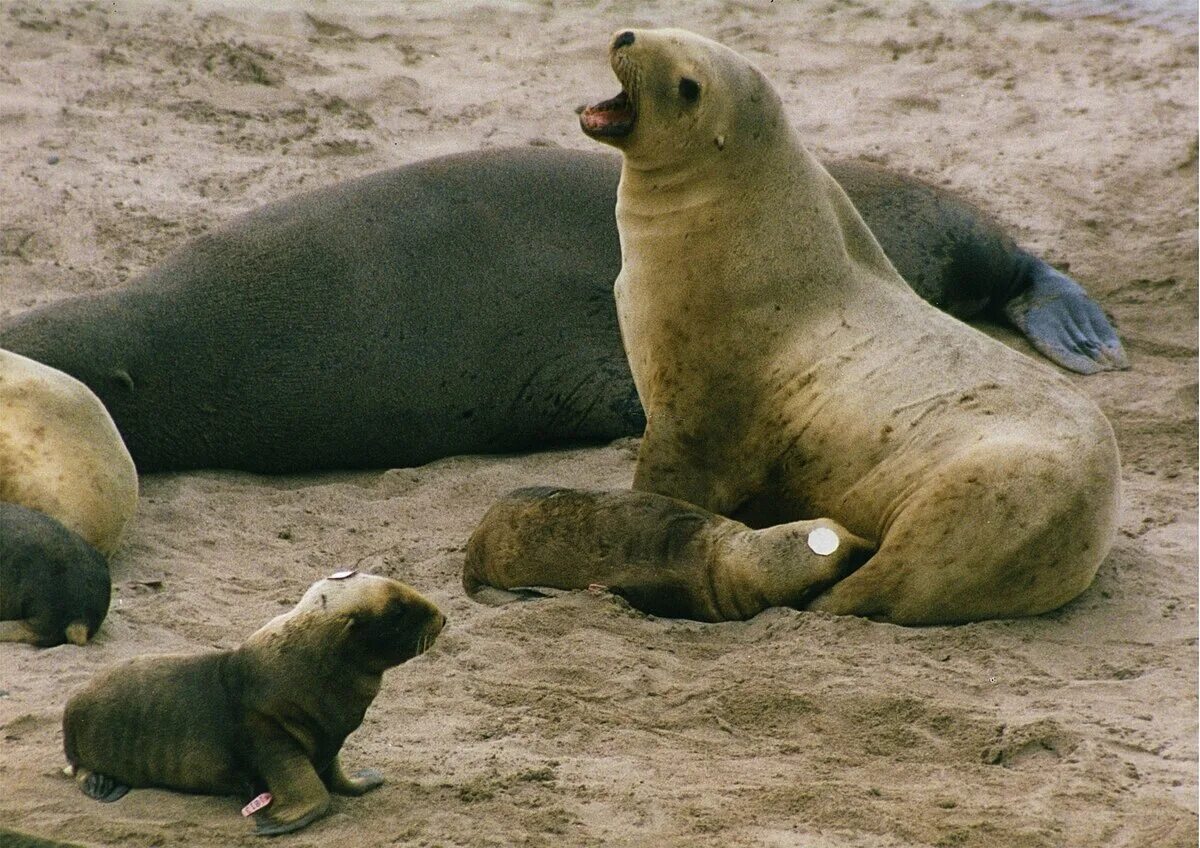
(270, 715)
(61, 454)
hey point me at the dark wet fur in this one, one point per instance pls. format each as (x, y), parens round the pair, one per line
(49, 576)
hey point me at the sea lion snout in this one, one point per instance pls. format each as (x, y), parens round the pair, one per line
(436, 626)
(404, 626)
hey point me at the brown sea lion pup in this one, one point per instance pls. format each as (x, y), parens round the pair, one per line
(788, 371)
(54, 586)
(269, 716)
(61, 454)
(664, 556)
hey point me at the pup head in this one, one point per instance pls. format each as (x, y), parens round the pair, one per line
(376, 622)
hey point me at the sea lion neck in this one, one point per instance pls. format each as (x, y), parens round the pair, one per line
(663, 186)
(697, 214)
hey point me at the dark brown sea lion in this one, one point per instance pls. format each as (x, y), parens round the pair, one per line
(268, 716)
(456, 305)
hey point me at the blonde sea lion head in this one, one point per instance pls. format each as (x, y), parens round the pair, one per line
(684, 98)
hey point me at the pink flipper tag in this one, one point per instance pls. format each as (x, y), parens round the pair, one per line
(257, 804)
(342, 575)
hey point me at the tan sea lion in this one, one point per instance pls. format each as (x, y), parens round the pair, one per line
(788, 371)
(270, 715)
(666, 557)
(61, 454)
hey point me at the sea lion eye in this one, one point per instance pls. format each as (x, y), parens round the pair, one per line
(689, 89)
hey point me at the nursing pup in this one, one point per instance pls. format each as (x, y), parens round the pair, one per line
(664, 556)
(54, 586)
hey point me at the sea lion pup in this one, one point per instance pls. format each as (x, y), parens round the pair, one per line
(54, 586)
(788, 371)
(455, 305)
(61, 454)
(268, 716)
(664, 556)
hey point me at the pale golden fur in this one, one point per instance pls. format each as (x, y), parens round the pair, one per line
(788, 371)
(61, 454)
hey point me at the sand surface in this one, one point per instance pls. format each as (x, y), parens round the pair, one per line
(127, 128)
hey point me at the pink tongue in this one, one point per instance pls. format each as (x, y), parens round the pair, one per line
(601, 118)
(606, 114)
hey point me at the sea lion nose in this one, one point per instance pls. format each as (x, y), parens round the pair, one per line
(623, 39)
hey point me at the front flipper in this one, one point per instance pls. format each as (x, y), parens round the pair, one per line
(1064, 324)
(298, 796)
(359, 783)
(100, 786)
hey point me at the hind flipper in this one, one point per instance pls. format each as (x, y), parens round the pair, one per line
(1064, 324)
(100, 786)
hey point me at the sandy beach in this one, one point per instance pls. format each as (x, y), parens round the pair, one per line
(127, 128)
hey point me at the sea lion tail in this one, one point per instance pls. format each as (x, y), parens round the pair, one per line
(77, 633)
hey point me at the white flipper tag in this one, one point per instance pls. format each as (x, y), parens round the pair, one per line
(823, 541)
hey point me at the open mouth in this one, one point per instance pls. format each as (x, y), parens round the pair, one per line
(610, 118)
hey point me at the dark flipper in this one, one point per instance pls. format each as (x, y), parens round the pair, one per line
(960, 259)
(361, 782)
(264, 826)
(102, 787)
(1064, 324)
